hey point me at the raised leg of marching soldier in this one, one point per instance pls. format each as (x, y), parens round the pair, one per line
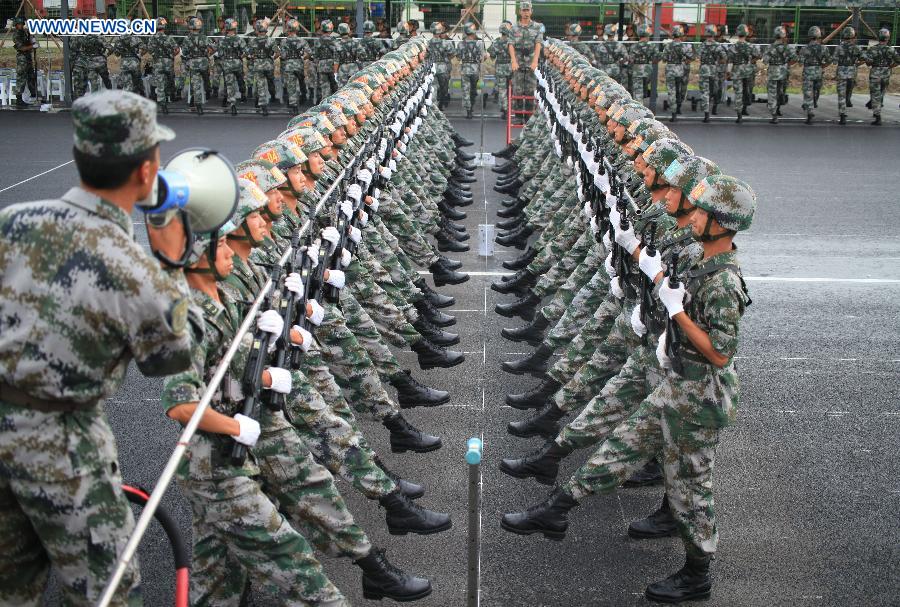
(198, 91)
(292, 76)
(707, 90)
(810, 83)
(261, 72)
(161, 76)
(580, 350)
(879, 78)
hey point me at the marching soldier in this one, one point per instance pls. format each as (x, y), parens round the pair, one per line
(262, 50)
(293, 51)
(231, 58)
(196, 50)
(129, 49)
(610, 54)
(779, 56)
(524, 52)
(471, 53)
(500, 54)
(814, 57)
(325, 56)
(347, 54)
(370, 46)
(641, 58)
(441, 51)
(91, 65)
(712, 54)
(743, 57)
(847, 56)
(881, 59)
(677, 55)
(24, 44)
(163, 50)
(573, 37)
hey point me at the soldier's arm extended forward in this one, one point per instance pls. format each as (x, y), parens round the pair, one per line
(514, 63)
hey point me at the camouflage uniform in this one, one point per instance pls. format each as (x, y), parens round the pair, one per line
(470, 52)
(523, 40)
(814, 57)
(231, 52)
(162, 49)
(262, 50)
(92, 63)
(347, 57)
(294, 51)
(104, 303)
(129, 49)
(881, 58)
(24, 62)
(441, 51)
(676, 54)
(370, 49)
(499, 52)
(641, 58)
(325, 55)
(847, 57)
(195, 57)
(743, 57)
(711, 54)
(778, 57)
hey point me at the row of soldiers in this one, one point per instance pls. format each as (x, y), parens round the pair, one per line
(719, 60)
(635, 283)
(352, 197)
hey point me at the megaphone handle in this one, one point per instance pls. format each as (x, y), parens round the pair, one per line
(189, 244)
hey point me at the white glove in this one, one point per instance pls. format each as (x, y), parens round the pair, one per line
(346, 208)
(355, 234)
(614, 216)
(376, 193)
(611, 201)
(313, 253)
(615, 288)
(639, 329)
(607, 263)
(318, 312)
(664, 361)
(374, 204)
(606, 241)
(281, 380)
(346, 258)
(249, 430)
(270, 321)
(594, 226)
(336, 278)
(626, 238)
(364, 175)
(650, 266)
(294, 284)
(371, 164)
(392, 165)
(386, 173)
(558, 149)
(588, 209)
(307, 338)
(364, 220)
(354, 191)
(402, 147)
(672, 298)
(331, 234)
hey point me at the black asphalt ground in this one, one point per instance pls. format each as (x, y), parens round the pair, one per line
(806, 482)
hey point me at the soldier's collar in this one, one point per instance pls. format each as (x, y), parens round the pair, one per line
(92, 203)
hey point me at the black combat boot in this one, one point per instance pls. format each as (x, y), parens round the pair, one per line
(511, 188)
(512, 211)
(877, 121)
(674, 117)
(523, 307)
(532, 333)
(436, 299)
(650, 474)
(520, 282)
(774, 119)
(544, 424)
(534, 398)
(506, 168)
(689, 583)
(520, 232)
(843, 119)
(505, 180)
(678, 109)
(411, 393)
(518, 239)
(445, 276)
(408, 488)
(809, 117)
(382, 579)
(542, 465)
(434, 316)
(449, 212)
(535, 364)
(450, 264)
(446, 243)
(740, 118)
(522, 261)
(199, 109)
(550, 517)
(510, 224)
(405, 516)
(705, 116)
(432, 356)
(507, 152)
(460, 141)
(405, 437)
(456, 233)
(659, 524)
(462, 179)
(434, 334)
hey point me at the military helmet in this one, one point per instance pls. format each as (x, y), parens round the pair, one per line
(677, 31)
(780, 32)
(815, 32)
(848, 33)
(643, 31)
(282, 153)
(884, 34)
(469, 29)
(343, 29)
(574, 29)
(506, 28)
(686, 173)
(251, 199)
(662, 152)
(261, 172)
(639, 126)
(19, 21)
(438, 28)
(651, 134)
(260, 26)
(368, 27)
(202, 241)
(161, 23)
(609, 29)
(632, 113)
(742, 30)
(731, 201)
(195, 23)
(327, 26)
(308, 139)
(230, 24)
(709, 30)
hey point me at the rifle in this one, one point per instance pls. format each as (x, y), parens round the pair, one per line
(288, 309)
(302, 264)
(646, 292)
(673, 339)
(252, 380)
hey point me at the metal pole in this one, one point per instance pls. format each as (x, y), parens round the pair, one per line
(155, 6)
(473, 587)
(67, 68)
(657, 26)
(360, 17)
(621, 31)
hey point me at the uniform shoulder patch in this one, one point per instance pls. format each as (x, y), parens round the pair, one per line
(179, 315)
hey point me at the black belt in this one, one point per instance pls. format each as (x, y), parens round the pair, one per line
(13, 395)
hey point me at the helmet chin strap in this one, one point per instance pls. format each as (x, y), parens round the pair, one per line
(706, 236)
(247, 235)
(681, 211)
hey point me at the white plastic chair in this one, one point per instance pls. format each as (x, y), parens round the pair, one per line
(4, 89)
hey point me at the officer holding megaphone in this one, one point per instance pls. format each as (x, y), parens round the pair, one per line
(79, 300)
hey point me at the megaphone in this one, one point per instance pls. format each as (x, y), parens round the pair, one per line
(200, 185)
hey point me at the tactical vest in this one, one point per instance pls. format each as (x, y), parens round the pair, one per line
(346, 52)
(847, 54)
(814, 55)
(324, 49)
(709, 53)
(881, 56)
(292, 48)
(470, 51)
(741, 53)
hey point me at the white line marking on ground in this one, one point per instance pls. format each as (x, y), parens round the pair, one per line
(811, 279)
(9, 187)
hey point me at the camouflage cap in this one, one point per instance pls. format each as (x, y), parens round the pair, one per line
(368, 27)
(232, 24)
(709, 30)
(292, 25)
(115, 123)
(525, 5)
(506, 28)
(780, 32)
(261, 172)
(662, 152)
(685, 173)
(677, 31)
(343, 29)
(282, 153)
(574, 29)
(815, 32)
(251, 199)
(327, 26)
(884, 34)
(848, 33)
(202, 240)
(652, 133)
(742, 30)
(438, 28)
(731, 201)
(469, 29)
(307, 139)
(610, 29)
(631, 113)
(319, 122)
(331, 111)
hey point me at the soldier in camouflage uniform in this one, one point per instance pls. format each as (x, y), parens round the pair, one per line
(195, 52)
(61, 501)
(162, 49)
(712, 54)
(814, 57)
(24, 44)
(524, 51)
(347, 54)
(847, 56)
(441, 51)
(881, 59)
(370, 46)
(641, 58)
(743, 56)
(499, 52)
(325, 56)
(230, 55)
(129, 49)
(262, 50)
(92, 61)
(573, 37)
(778, 57)
(471, 53)
(293, 50)
(610, 54)
(677, 54)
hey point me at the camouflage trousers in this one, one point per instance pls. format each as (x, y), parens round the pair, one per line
(61, 504)
(676, 87)
(231, 71)
(667, 422)
(879, 79)
(709, 91)
(163, 71)
(24, 68)
(198, 72)
(469, 90)
(741, 85)
(370, 333)
(523, 84)
(129, 76)
(557, 244)
(580, 350)
(569, 262)
(401, 225)
(262, 71)
(812, 83)
(81, 77)
(775, 89)
(844, 85)
(326, 82)
(569, 319)
(638, 86)
(345, 71)
(292, 75)
(239, 534)
(442, 83)
(501, 85)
